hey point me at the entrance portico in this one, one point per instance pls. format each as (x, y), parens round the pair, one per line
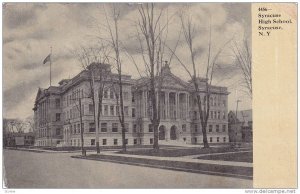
(168, 132)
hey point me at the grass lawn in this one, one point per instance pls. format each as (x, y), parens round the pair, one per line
(214, 169)
(180, 151)
(237, 157)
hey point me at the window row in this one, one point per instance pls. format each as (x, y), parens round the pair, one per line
(196, 128)
(115, 127)
(79, 94)
(212, 115)
(211, 139)
(47, 133)
(106, 111)
(213, 101)
(92, 142)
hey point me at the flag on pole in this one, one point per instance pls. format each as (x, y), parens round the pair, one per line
(47, 59)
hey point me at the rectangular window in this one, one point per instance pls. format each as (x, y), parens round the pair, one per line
(215, 114)
(57, 103)
(219, 115)
(224, 139)
(195, 139)
(210, 139)
(210, 128)
(92, 127)
(134, 141)
(106, 110)
(112, 110)
(184, 127)
(195, 127)
(195, 115)
(184, 139)
(103, 127)
(115, 127)
(224, 115)
(117, 110)
(104, 142)
(134, 128)
(126, 127)
(91, 108)
(92, 141)
(111, 95)
(218, 139)
(57, 115)
(132, 99)
(57, 131)
(126, 111)
(105, 95)
(82, 127)
(224, 128)
(151, 140)
(133, 112)
(150, 127)
(115, 141)
(78, 128)
(126, 141)
(217, 128)
(125, 95)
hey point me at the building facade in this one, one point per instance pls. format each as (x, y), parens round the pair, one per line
(57, 118)
(240, 126)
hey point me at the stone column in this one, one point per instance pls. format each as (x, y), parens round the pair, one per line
(177, 105)
(188, 103)
(157, 100)
(165, 106)
(146, 103)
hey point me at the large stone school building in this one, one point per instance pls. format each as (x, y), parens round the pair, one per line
(57, 118)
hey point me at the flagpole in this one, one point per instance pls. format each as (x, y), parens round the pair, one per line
(50, 63)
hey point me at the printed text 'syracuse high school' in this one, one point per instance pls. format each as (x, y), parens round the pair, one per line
(57, 120)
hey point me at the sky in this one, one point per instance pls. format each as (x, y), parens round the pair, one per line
(30, 29)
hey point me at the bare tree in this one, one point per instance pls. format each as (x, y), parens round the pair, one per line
(243, 58)
(112, 26)
(19, 125)
(152, 35)
(189, 30)
(92, 60)
(30, 122)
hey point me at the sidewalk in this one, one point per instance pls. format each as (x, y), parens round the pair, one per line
(45, 151)
(213, 154)
(183, 159)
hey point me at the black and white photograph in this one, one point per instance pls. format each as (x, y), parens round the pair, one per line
(127, 95)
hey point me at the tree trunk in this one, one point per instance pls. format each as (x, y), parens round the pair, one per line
(81, 130)
(205, 142)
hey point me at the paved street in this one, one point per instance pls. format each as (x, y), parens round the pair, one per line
(58, 170)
